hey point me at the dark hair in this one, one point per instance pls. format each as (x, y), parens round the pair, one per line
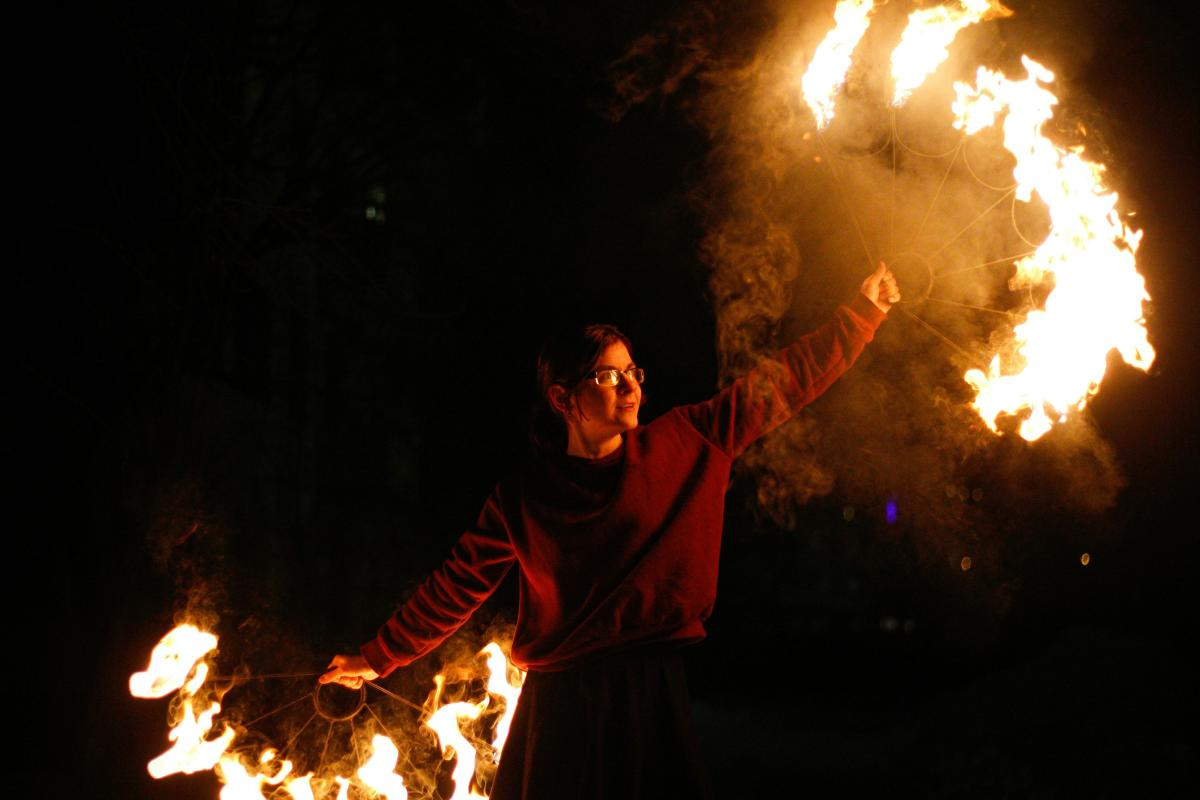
(566, 359)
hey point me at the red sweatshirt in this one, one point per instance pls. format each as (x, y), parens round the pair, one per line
(621, 551)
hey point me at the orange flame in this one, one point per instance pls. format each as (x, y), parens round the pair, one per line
(171, 661)
(379, 773)
(498, 684)
(827, 73)
(175, 657)
(1059, 354)
(445, 723)
(178, 655)
(925, 43)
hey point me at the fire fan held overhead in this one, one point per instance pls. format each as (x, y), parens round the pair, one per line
(615, 530)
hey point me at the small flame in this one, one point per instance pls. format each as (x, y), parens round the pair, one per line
(1059, 354)
(171, 661)
(445, 723)
(193, 750)
(925, 43)
(827, 73)
(241, 784)
(379, 773)
(498, 684)
(300, 788)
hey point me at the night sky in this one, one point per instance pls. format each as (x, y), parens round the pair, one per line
(274, 345)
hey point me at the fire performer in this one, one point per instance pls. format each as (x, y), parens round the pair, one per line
(615, 530)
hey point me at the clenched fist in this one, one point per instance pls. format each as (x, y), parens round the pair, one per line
(881, 288)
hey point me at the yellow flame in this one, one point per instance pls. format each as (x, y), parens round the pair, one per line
(826, 73)
(445, 723)
(1059, 353)
(379, 773)
(241, 784)
(300, 788)
(498, 684)
(925, 43)
(193, 751)
(179, 655)
(171, 661)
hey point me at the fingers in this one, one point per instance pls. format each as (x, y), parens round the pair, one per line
(348, 671)
(332, 672)
(888, 288)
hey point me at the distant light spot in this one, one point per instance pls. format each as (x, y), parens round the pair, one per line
(1084, 559)
(963, 493)
(965, 563)
(817, 159)
(889, 624)
(977, 494)
(951, 491)
(891, 512)
(378, 194)
(371, 212)
(848, 513)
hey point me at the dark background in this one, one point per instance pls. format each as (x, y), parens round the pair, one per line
(291, 268)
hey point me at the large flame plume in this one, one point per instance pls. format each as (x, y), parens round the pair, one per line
(177, 665)
(827, 73)
(1058, 355)
(925, 43)
(174, 658)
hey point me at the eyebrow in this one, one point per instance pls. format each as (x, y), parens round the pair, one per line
(600, 367)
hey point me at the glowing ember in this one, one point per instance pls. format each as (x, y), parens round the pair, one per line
(1058, 354)
(379, 772)
(827, 72)
(925, 43)
(171, 661)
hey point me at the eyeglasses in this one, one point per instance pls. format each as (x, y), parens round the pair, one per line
(612, 377)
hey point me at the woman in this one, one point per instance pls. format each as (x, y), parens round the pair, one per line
(616, 536)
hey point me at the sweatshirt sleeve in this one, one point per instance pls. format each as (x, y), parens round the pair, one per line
(776, 389)
(477, 564)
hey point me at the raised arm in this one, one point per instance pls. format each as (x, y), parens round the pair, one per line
(477, 564)
(776, 389)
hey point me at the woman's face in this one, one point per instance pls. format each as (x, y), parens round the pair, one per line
(606, 411)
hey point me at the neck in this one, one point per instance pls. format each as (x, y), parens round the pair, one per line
(580, 447)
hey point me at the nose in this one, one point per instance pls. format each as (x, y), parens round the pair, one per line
(627, 385)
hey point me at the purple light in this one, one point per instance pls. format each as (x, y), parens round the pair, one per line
(891, 512)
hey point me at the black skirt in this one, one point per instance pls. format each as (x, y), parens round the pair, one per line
(615, 729)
